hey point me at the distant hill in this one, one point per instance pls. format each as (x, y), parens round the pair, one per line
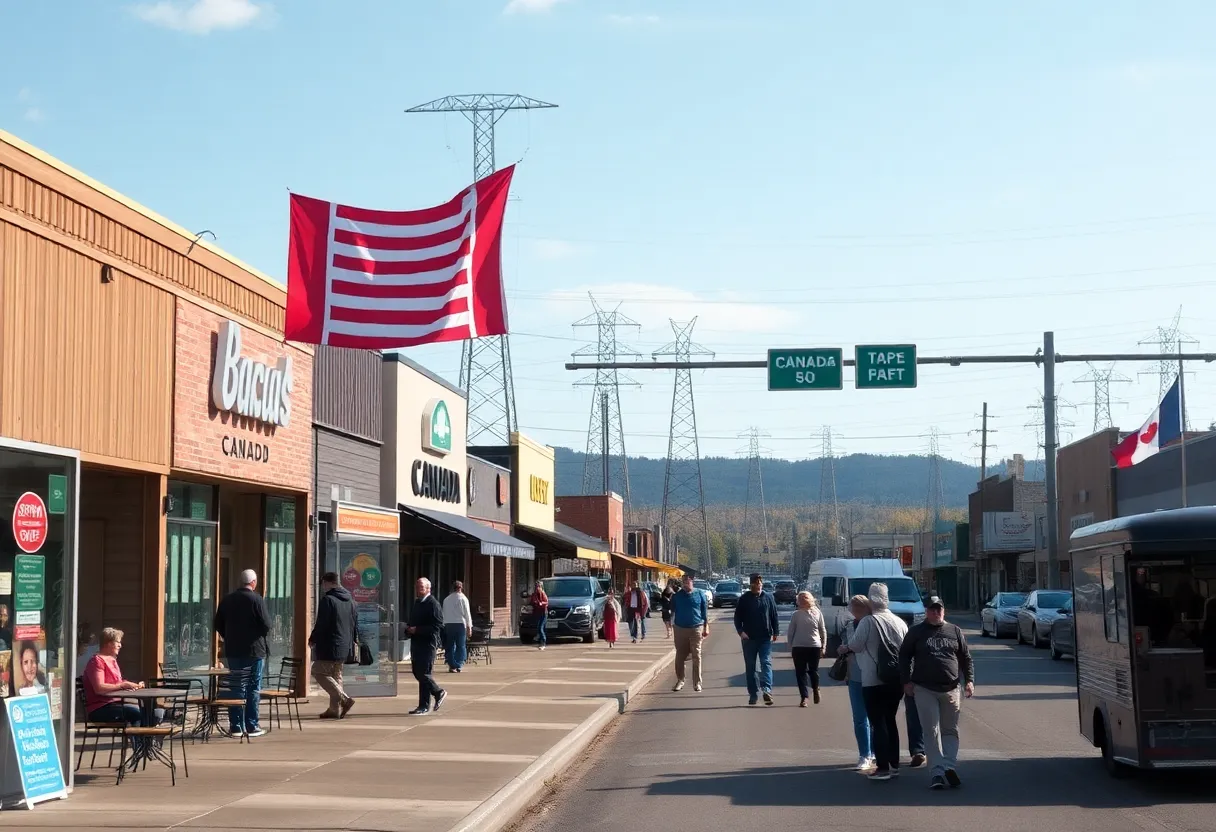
(866, 478)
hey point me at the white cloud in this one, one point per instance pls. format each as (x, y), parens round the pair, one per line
(634, 19)
(531, 6)
(201, 17)
(652, 305)
(552, 249)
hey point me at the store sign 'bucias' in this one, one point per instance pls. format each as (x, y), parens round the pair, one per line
(246, 387)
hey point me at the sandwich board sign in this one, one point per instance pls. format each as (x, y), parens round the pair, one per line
(33, 735)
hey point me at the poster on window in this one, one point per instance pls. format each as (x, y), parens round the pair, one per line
(27, 663)
(360, 573)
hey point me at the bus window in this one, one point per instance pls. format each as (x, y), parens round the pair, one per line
(1121, 622)
(829, 586)
(1110, 601)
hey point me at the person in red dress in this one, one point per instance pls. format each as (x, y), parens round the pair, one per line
(612, 614)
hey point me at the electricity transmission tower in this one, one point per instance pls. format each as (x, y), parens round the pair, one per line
(605, 467)
(683, 489)
(485, 363)
(1102, 379)
(1037, 422)
(755, 489)
(1169, 340)
(935, 496)
(827, 512)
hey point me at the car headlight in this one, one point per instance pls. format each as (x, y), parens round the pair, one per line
(585, 609)
(918, 617)
(526, 608)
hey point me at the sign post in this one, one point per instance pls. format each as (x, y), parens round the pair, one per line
(29, 723)
(819, 368)
(885, 366)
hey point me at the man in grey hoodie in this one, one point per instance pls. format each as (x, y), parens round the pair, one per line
(876, 642)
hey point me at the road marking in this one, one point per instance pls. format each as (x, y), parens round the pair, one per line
(598, 669)
(493, 723)
(286, 800)
(568, 682)
(614, 661)
(442, 757)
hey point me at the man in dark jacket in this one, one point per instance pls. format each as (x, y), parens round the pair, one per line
(756, 623)
(425, 629)
(243, 622)
(333, 636)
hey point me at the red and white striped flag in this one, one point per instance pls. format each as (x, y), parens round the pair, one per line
(382, 280)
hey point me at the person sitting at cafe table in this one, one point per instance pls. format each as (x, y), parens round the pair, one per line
(103, 677)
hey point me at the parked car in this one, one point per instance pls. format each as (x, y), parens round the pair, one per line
(726, 593)
(1042, 607)
(704, 587)
(785, 592)
(655, 591)
(1063, 633)
(576, 609)
(999, 617)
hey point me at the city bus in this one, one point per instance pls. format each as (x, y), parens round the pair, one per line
(1144, 608)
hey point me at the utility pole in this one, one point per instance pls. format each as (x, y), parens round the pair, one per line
(1038, 421)
(1050, 447)
(755, 485)
(485, 363)
(984, 446)
(683, 487)
(827, 512)
(1102, 380)
(605, 431)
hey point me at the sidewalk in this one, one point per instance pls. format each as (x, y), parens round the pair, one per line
(512, 724)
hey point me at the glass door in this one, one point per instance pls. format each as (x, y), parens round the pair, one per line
(368, 570)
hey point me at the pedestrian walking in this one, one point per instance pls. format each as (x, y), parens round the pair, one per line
(690, 613)
(665, 607)
(457, 627)
(876, 642)
(333, 640)
(806, 635)
(612, 614)
(539, 601)
(933, 661)
(243, 622)
(425, 629)
(859, 607)
(756, 624)
(637, 607)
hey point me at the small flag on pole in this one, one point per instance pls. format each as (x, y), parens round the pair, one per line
(1162, 428)
(383, 280)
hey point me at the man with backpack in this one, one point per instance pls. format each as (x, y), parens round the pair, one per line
(933, 660)
(876, 643)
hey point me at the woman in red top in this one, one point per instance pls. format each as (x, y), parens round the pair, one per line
(540, 610)
(102, 677)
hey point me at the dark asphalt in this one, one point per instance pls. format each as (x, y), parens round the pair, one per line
(706, 761)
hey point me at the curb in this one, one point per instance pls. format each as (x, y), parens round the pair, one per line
(506, 805)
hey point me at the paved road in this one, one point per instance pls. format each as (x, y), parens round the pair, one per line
(707, 761)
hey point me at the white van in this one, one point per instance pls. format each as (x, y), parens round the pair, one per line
(833, 581)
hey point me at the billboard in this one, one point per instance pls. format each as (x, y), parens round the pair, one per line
(1009, 531)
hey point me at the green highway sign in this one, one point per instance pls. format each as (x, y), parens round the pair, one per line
(819, 368)
(884, 366)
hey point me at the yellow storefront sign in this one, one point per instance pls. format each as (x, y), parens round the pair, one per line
(533, 483)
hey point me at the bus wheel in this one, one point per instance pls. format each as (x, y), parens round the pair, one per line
(1113, 767)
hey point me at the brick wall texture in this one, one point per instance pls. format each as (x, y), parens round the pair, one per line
(199, 429)
(599, 515)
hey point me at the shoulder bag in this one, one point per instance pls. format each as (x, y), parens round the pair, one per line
(886, 658)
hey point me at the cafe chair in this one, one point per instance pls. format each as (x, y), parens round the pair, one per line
(282, 692)
(176, 713)
(112, 729)
(478, 645)
(234, 681)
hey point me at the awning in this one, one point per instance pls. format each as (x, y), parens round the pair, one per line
(489, 540)
(584, 546)
(665, 568)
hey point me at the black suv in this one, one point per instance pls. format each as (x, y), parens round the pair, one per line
(786, 592)
(576, 609)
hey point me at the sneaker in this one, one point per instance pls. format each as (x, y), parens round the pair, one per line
(879, 774)
(328, 715)
(350, 703)
(439, 697)
(697, 687)
(542, 648)
(952, 778)
(256, 732)
(751, 701)
(918, 760)
(937, 783)
(865, 763)
(678, 686)
(815, 694)
(768, 698)
(802, 704)
(635, 641)
(420, 711)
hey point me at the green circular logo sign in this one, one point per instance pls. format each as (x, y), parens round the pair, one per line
(371, 577)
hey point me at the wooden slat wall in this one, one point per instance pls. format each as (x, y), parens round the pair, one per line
(43, 204)
(347, 391)
(346, 461)
(83, 364)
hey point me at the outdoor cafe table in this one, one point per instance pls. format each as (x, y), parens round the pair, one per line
(143, 748)
(210, 721)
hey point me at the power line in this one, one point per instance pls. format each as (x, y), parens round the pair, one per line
(827, 511)
(755, 490)
(1102, 378)
(1170, 339)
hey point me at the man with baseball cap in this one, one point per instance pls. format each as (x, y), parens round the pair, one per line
(933, 661)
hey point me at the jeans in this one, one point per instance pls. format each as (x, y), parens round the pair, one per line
(422, 664)
(250, 690)
(541, 638)
(753, 649)
(882, 707)
(806, 666)
(688, 643)
(941, 712)
(861, 723)
(633, 626)
(455, 638)
(916, 734)
(120, 712)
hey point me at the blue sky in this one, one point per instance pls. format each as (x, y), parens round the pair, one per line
(959, 176)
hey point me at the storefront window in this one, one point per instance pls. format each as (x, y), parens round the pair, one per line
(189, 575)
(280, 574)
(190, 501)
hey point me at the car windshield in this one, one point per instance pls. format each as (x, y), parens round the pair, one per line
(701, 584)
(728, 586)
(566, 587)
(899, 590)
(1011, 599)
(785, 584)
(1053, 600)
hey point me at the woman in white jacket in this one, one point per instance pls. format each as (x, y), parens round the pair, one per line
(806, 635)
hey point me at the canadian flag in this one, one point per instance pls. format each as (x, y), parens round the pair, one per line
(1162, 428)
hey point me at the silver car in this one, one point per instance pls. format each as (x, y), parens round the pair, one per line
(1063, 633)
(1035, 618)
(999, 617)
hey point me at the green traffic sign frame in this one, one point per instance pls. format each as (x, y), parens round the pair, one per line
(792, 372)
(859, 367)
